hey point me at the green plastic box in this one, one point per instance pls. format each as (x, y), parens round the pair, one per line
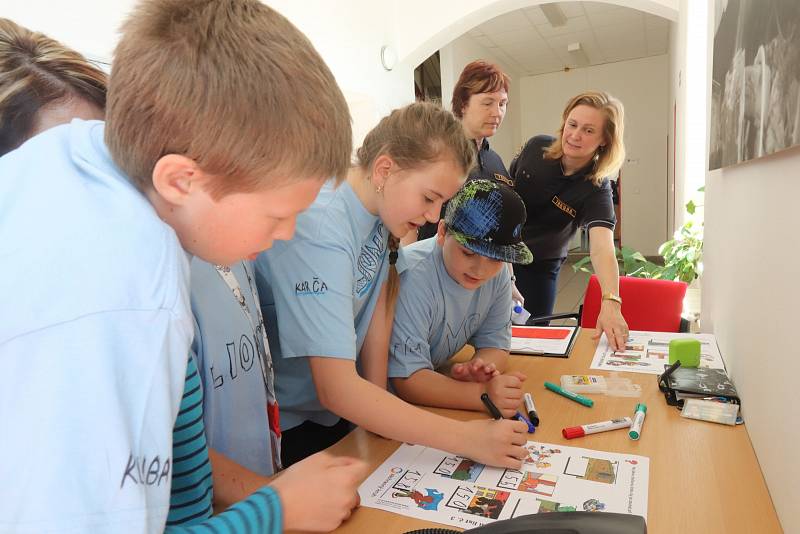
(685, 350)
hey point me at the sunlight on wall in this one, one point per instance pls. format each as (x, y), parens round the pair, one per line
(695, 120)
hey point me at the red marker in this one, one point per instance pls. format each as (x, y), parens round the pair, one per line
(594, 428)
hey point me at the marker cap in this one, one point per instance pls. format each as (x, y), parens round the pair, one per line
(572, 432)
(636, 431)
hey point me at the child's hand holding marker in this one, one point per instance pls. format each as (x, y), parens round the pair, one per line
(506, 392)
(499, 442)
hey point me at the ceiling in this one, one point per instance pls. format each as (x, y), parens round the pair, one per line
(526, 40)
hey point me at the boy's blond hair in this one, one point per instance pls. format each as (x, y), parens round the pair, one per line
(231, 84)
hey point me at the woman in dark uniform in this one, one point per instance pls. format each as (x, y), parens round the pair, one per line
(480, 98)
(564, 184)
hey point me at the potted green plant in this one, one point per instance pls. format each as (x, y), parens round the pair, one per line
(682, 254)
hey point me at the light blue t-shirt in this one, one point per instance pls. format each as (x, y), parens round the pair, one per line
(435, 316)
(95, 327)
(225, 347)
(320, 290)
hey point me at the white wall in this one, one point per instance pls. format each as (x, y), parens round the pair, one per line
(454, 57)
(750, 298)
(642, 86)
(677, 63)
(348, 34)
(688, 87)
(89, 26)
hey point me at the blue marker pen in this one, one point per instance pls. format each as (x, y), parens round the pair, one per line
(519, 417)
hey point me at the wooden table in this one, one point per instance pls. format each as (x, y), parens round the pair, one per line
(704, 477)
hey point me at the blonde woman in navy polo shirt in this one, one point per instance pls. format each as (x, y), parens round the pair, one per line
(564, 184)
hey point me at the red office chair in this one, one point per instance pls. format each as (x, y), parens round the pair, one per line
(652, 305)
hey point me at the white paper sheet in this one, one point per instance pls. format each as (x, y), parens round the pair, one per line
(429, 484)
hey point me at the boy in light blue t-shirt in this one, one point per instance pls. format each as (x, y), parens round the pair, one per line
(455, 290)
(96, 225)
(233, 356)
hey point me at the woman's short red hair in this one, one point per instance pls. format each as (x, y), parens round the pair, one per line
(477, 77)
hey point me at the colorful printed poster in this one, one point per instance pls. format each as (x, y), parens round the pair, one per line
(429, 484)
(648, 352)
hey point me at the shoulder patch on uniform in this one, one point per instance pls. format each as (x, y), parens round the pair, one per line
(504, 179)
(563, 206)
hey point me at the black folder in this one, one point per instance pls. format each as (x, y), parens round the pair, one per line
(697, 382)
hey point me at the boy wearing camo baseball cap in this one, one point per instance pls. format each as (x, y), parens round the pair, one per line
(455, 290)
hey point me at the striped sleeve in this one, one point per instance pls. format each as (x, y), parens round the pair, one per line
(191, 500)
(192, 492)
(260, 513)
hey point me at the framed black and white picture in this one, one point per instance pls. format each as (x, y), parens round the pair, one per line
(755, 93)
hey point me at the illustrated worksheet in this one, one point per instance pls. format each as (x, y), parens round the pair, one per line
(430, 484)
(648, 352)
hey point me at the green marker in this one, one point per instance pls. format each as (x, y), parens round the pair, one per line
(638, 421)
(568, 394)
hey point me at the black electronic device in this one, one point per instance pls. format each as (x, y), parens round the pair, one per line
(557, 523)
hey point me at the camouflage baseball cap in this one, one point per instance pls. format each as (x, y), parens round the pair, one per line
(487, 217)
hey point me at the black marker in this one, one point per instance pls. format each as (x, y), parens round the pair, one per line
(490, 406)
(534, 417)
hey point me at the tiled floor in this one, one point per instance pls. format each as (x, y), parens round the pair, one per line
(571, 287)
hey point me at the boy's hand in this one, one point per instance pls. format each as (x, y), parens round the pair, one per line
(475, 370)
(497, 443)
(506, 392)
(319, 492)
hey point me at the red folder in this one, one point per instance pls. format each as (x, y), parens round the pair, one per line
(533, 332)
